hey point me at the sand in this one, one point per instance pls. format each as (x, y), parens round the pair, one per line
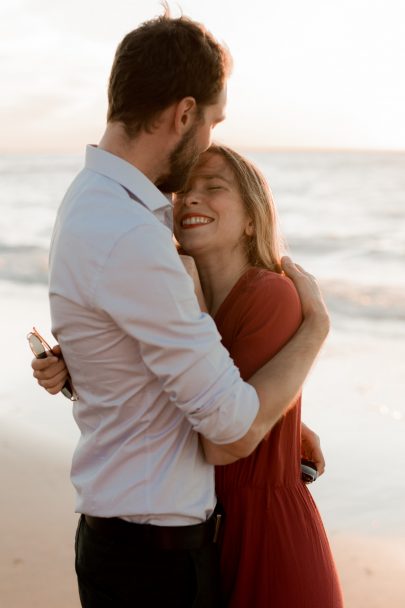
(353, 399)
(371, 571)
(38, 524)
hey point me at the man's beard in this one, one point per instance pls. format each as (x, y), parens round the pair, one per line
(181, 161)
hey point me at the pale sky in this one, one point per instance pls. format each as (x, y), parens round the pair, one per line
(312, 74)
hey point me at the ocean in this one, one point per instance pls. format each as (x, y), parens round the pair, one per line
(342, 214)
(343, 217)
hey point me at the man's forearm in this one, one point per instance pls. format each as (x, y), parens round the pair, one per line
(279, 381)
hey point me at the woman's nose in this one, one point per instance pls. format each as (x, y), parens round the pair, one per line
(191, 197)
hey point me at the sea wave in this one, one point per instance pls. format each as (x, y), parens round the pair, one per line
(364, 301)
(24, 264)
(343, 216)
(345, 298)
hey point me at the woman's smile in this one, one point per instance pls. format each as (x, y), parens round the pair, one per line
(194, 220)
(211, 198)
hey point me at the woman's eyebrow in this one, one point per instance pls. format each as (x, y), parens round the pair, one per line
(215, 176)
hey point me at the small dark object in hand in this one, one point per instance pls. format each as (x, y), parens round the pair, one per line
(308, 471)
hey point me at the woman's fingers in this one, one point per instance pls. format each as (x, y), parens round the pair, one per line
(49, 371)
(55, 383)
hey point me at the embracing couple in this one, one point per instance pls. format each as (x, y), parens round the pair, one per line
(160, 399)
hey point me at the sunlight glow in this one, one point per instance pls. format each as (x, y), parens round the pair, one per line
(314, 74)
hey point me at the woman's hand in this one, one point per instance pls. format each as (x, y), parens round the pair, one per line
(51, 373)
(311, 448)
(191, 268)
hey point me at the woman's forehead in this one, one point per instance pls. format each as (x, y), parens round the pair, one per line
(212, 163)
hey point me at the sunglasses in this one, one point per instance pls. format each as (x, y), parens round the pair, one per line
(39, 346)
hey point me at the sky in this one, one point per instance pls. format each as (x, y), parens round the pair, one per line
(313, 74)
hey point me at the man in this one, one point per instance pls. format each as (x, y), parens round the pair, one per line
(148, 367)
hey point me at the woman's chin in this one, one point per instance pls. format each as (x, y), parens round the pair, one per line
(192, 246)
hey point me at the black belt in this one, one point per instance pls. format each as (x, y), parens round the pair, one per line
(187, 538)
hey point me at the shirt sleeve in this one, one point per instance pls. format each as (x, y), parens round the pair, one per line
(144, 288)
(270, 316)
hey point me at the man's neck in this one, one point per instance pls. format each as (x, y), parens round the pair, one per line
(142, 151)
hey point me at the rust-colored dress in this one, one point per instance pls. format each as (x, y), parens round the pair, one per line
(274, 550)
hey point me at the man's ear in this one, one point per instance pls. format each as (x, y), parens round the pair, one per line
(184, 115)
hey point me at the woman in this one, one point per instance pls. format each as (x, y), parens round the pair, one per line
(274, 550)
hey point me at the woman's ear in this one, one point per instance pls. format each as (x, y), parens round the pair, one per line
(250, 228)
(185, 113)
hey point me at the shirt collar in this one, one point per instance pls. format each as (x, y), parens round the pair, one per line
(127, 175)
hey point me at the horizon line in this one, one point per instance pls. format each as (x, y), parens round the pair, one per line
(247, 148)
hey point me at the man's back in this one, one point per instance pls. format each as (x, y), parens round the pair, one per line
(139, 352)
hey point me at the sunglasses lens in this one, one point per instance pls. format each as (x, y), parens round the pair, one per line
(66, 392)
(69, 391)
(36, 346)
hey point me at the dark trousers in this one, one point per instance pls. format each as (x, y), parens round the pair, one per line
(116, 572)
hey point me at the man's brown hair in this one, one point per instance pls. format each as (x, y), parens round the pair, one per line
(160, 63)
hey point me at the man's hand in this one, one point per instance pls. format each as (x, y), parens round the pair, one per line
(311, 448)
(313, 306)
(51, 373)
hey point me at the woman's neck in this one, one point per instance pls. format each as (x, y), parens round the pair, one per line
(218, 274)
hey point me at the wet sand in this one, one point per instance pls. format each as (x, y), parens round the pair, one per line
(38, 524)
(352, 399)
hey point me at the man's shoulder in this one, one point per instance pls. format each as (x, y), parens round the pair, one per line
(98, 207)
(89, 239)
(96, 215)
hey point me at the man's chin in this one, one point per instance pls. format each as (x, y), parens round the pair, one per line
(165, 186)
(173, 183)
(182, 161)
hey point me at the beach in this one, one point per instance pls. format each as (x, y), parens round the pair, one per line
(352, 237)
(38, 526)
(360, 496)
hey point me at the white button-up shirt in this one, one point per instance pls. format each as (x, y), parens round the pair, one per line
(148, 366)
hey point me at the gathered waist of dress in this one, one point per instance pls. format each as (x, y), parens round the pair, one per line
(287, 486)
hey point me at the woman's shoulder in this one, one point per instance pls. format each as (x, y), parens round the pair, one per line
(260, 281)
(269, 311)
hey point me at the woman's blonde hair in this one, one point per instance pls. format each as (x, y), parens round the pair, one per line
(264, 247)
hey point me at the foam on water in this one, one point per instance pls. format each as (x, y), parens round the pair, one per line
(343, 215)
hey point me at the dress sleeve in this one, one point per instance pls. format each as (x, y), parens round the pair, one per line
(270, 316)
